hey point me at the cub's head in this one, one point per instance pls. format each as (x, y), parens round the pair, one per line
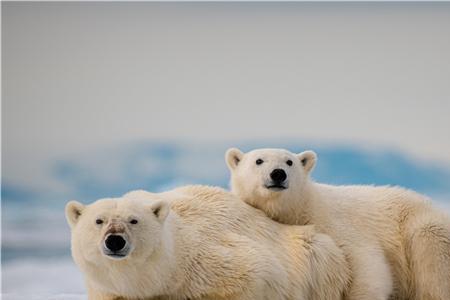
(268, 177)
(113, 230)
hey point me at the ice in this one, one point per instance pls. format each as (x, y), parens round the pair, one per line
(44, 297)
(42, 279)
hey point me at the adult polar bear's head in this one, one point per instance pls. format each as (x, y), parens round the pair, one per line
(115, 229)
(268, 179)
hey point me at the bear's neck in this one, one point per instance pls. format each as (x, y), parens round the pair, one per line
(176, 260)
(162, 264)
(174, 257)
(301, 210)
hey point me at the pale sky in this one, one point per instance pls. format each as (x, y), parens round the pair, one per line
(77, 76)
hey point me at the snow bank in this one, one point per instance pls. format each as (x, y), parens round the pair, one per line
(42, 279)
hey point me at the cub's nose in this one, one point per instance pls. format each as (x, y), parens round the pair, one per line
(115, 242)
(278, 175)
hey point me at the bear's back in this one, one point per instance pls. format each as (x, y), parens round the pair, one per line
(214, 209)
(219, 236)
(222, 217)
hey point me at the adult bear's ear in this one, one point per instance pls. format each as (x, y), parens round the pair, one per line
(233, 156)
(74, 210)
(308, 160)
(160, 209)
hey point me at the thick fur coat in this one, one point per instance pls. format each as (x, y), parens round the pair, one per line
(397, 244)
(199, 242)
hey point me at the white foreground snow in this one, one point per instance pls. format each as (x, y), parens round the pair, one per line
(31, 279)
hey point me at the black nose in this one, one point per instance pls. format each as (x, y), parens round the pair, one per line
(278, 175)
(115, 243)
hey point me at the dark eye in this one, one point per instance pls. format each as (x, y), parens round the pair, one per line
(99, 221)
(259, 161)
(134, 221)
(289, 162)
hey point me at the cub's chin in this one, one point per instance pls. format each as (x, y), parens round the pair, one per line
(270, 193)
(116, 255)
(276, 187)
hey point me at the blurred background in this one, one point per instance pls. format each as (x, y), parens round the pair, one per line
(102, 98)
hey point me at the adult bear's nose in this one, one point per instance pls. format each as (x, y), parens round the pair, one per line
(115, 242)
(278, 175)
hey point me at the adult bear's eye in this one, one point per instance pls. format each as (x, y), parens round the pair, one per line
(259, 161)
(99, 221)
(134, 221)
(289, 162)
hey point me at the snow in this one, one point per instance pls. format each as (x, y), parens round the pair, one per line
(42, 279)
(44, 297)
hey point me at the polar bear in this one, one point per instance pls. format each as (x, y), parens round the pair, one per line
(199, 242)
(397, 245)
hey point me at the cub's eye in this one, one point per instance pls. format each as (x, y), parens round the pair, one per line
(259, 161)
(99, 221)
(134, 221)
(289, 162)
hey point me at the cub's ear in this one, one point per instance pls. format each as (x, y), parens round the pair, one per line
(308, 160)
(74, 210)
(233, 156)
(160, 209)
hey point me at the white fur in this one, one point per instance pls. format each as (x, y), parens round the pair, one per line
(397, 244)
(208, 245)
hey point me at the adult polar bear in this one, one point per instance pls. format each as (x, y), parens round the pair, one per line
(397, 244)
(199, 242)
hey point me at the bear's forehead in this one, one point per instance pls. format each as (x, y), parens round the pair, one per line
(270, 153)
(116, 206)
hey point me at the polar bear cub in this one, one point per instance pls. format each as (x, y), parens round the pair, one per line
(396, 243)
(199, 242)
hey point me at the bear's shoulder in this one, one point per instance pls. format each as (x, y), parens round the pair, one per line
(202, 191)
